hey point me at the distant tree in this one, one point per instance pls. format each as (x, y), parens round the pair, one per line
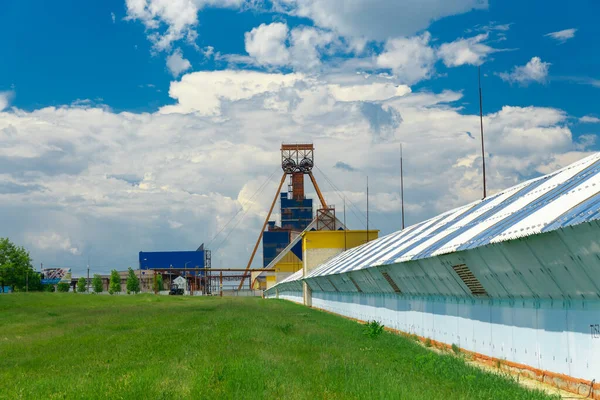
(115, 282)
(97, 283)
(35, 281)
(133, 283)
(158, 283)
(15, 265)
(63, 287)
(81, 285)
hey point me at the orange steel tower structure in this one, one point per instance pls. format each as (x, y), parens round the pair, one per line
(297, 160)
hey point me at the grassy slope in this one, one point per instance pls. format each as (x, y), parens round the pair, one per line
(76, 346)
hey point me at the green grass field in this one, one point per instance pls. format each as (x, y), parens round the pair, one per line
(67, 346)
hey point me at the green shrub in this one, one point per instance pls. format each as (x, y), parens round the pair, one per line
(455, 348)
(48, 288)
(373, 329)
(63, 287)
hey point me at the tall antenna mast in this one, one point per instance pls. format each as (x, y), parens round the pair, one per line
(401, 186)
(481, 124)
(345, 227)
(367, 208)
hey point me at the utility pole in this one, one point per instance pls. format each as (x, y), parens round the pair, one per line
(401, 186)
(87, 287)
(481, 125)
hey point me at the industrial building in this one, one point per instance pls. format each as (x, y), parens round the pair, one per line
(303, 237)
(513, 278)
(172, 264)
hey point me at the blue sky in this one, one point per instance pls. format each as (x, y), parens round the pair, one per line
(133, 116)
(85, 55)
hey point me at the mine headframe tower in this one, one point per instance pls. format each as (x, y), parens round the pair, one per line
(297, 160)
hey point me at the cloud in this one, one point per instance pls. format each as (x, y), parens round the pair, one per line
(16, 188)
(276, 45)
(581, 80)
(562, 36)
(383, 121)
(534, 71)
(469, 51)
(131, 179)
(266, 44)
(5, 99)
(306, 45)
(113, 17)
(376, 19)
(410, 59)
(204, 92)
(588, 119)
(177, 64)
(344, 166)
(179, 16)
(167, 22)
(124, 181)
(54, 242)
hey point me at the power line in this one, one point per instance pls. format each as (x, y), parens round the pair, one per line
(243, 215)
(342, 197)
(260, 188)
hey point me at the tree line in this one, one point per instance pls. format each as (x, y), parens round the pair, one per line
(17, 272)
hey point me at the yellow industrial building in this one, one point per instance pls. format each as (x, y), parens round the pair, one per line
(317, 247)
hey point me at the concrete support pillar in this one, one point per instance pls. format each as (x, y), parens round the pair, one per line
(307, 294)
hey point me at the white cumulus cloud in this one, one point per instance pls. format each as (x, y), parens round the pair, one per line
(266, 44)
(376, 19)
(465, 51)
(535, 70)
(410, 59)
(179, 16)
(54, 242)
(5, 98)
(126, 181)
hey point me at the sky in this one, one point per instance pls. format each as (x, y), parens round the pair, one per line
(146, 125)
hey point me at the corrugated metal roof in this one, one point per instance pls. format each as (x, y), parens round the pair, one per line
(563, 198)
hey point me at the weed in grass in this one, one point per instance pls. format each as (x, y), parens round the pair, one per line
(428, 342)
(373, 329)
(285, 328)
(455, 348)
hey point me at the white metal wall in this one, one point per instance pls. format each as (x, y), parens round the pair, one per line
(542, 308)
(556, 336)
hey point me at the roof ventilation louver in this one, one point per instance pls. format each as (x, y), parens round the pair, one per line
(391, 282)
(465, 274)
(331, 283)
(355, 284)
